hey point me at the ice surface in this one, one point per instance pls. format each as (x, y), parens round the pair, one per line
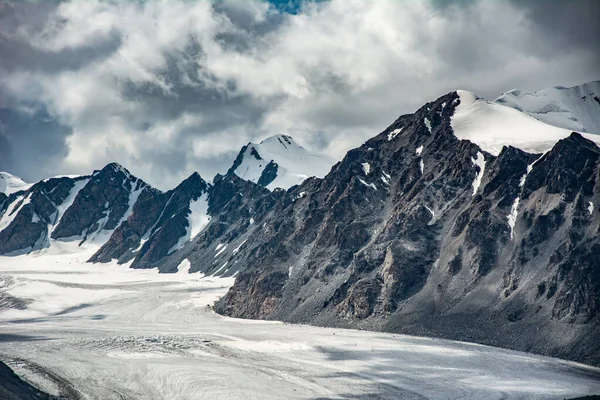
(492, 126)
(591, 208)
(10, 184)
(419, 150)
(113, 332)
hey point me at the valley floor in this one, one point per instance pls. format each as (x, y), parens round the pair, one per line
(108, 332)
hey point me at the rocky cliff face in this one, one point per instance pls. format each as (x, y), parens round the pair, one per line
(417, 231)
(159, 225)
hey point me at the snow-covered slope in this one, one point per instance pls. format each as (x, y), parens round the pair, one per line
(11, 184)
(576, 108)
(492, 126)
(279, 162)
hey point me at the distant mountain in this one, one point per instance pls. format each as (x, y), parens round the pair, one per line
(279, 162)
(467, 219)
(10, 183)
(576, 108)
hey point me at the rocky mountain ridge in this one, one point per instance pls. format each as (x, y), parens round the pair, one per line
(420, 232)
(431, 227)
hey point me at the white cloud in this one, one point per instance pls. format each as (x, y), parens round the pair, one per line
(189, 83)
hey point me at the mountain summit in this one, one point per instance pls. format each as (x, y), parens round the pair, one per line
(279, 162)
(10, 183)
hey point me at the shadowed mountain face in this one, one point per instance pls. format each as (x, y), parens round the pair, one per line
(416, 231)
(13, 388)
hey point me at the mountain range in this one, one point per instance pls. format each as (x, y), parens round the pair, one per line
(467, 219)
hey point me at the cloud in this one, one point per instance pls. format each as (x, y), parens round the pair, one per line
(166, 88)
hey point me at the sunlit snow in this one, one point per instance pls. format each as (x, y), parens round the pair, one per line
(572, 108)
(492, 126)
(366, 168)
(393, 134)
(512, 217)
(294, 163)
(10, 184)
(479, 161)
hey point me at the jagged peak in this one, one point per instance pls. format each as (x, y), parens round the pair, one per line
(114, 167)
(194, 181)
(278, 161)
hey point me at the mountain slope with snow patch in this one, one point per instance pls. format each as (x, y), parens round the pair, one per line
(279, 162)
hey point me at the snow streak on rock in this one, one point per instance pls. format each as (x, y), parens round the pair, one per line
(393, 134)
(427, 124)
(480, 163)
(371, 185)
(512, 217)
(366, 168)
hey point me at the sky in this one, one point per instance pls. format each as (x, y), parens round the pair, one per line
(166, 88)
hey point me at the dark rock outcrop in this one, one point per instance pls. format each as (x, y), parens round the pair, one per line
(14, 388)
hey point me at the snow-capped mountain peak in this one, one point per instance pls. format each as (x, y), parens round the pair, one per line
(279, 162)
(575, 108)
(492, 126)
(11, 184)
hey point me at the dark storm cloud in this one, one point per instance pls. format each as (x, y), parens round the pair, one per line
(567, 23)
(168, 88)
